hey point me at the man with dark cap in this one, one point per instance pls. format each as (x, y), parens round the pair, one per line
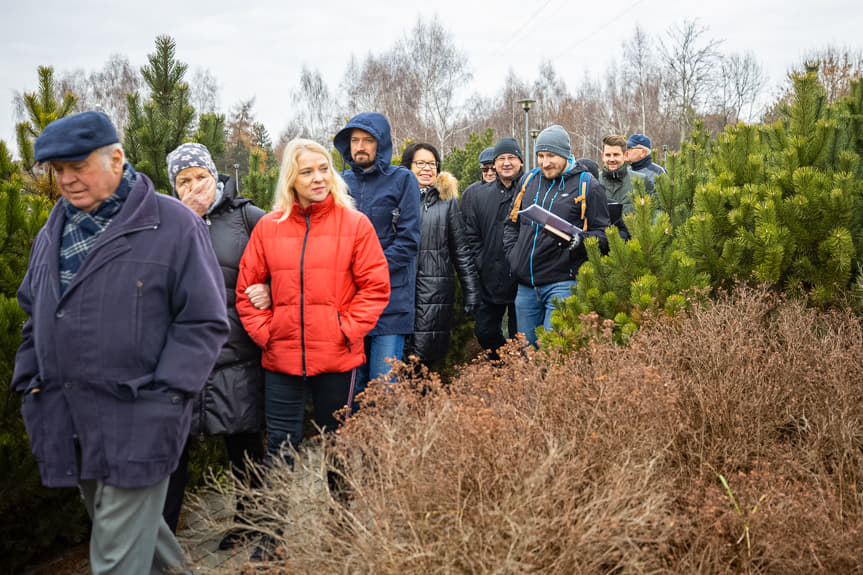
(638, 156)
(390, 196)
(484, 208)
(545, 264)
(126, 315)
(486, 164)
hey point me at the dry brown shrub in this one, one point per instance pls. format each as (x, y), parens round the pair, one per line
(603, 461)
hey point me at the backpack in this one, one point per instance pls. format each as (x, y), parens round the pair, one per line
(583, 186)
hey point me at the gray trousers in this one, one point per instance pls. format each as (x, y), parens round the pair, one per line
(129, 535)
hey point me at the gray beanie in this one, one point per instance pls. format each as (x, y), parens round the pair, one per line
(507, 146)
(554, 139)
(190, 155)
(486, 156)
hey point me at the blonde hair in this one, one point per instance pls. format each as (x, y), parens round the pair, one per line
(285, 194)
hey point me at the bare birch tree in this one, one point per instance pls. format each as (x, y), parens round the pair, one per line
(689, 58)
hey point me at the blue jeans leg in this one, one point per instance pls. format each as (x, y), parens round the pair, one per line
(380, 348)
(533, 306)
(529, 312)
(552, 292)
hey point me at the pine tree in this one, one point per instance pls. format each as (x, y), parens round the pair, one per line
(211, 133)
(463, 163)
(260, 184)
(61, 517)
(163, 122)
(780, 205)
(42, 108)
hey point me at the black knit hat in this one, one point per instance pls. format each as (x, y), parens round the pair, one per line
(507, 146)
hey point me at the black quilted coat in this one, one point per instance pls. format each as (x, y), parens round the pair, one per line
(232, 400)
(443, 249)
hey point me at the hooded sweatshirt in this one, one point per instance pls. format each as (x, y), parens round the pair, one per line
(538, 257)
(390, 197)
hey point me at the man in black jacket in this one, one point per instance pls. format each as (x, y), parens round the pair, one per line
(485, 206)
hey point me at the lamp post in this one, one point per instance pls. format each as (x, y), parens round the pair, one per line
(237, 176)
(526, 104)
(664, 155)
(533, 134)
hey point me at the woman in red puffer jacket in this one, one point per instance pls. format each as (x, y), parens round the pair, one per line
(329, 281)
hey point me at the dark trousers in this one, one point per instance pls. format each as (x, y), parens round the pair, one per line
(237, 446)
(487, 324)
(285, 404)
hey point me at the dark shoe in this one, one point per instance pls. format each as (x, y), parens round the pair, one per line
(231, 539)
(265, 550)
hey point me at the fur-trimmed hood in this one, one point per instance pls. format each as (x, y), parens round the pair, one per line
(447, 186)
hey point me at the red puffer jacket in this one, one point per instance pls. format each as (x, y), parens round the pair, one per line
(329, 282)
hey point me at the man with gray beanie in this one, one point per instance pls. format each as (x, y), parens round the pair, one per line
(543, 263)
(126, 316)
(484, 208)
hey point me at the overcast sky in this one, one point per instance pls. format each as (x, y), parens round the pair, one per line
(258, 48)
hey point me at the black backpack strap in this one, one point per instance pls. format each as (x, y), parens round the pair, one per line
(250, 220)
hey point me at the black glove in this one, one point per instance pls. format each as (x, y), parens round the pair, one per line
(576, 240)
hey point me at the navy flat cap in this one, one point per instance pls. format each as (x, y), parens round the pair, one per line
(638, 140)
(486, 156)
(73, 138)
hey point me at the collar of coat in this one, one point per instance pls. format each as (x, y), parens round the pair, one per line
(447, 186)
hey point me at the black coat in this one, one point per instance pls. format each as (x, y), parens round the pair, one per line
(485, 206)
(538, 257)
(443, 247)
(232, 400)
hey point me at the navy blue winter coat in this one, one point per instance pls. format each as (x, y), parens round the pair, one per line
(119, 355)
(390, 197)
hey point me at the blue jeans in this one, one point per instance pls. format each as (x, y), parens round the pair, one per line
(378, 349)
(533, 306)
(285, 404)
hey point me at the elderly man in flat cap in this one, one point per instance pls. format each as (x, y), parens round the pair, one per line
(126, 315)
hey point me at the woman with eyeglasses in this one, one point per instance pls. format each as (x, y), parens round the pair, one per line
(443, 249)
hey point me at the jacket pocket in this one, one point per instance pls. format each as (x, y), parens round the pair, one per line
(347, 341)
(156, 424)
(33, 414)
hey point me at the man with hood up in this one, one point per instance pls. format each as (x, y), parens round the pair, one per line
(390, 197)
(544, 264)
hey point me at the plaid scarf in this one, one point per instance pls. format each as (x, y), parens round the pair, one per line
(82, 229)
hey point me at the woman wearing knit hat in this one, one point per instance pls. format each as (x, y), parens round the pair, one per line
(545, 264)
(231, 403)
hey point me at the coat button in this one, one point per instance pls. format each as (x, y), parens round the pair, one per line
(175, 399)
(68, 385)
(59, 314)
(69, 471)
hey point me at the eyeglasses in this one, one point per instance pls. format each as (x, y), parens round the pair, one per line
(507, 158)
(487, 169)
(422, 165)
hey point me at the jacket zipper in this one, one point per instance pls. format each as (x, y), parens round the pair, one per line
(303, 296)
